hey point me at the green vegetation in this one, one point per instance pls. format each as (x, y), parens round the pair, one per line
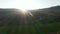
(33, 28)
(42, 22)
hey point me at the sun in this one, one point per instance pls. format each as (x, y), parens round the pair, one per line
(24, 11)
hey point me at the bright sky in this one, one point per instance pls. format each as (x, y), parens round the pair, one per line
(28, 4)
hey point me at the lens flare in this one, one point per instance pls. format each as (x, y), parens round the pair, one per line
(24, 11)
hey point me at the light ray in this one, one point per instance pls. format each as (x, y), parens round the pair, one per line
(30, 13)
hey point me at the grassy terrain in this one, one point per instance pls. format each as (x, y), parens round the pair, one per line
(34, 28)
(24, 27)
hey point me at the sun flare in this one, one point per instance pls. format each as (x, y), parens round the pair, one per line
(24, 11)
(24, 5)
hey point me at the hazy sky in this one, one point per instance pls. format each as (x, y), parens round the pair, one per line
(28, 4)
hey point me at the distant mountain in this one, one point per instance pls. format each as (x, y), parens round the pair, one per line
(8, 14)
(45, 15)
(55, 10)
